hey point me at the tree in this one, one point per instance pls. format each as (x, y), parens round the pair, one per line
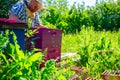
(5, 5)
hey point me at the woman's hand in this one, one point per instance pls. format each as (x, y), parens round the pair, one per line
(15, 18)
(41, 26)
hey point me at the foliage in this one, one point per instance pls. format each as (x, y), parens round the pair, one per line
(98, 50)
(104, 15)
(5, 5)
(19, 65)
(4, 41)
(50, 72)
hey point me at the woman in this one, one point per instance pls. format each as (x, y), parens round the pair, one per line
(25, 10)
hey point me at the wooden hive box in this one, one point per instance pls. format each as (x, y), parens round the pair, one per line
(48, 40)
(111, 75)
(17, 28)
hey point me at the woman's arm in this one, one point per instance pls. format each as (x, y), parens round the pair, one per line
(14, 17)
(41, 26)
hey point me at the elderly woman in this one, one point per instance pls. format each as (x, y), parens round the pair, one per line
(24, 10)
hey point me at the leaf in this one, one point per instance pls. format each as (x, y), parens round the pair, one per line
(35, 57)
(34, 69)
(14, 37)
(19, 53)
(4, 58)
(50, 63)
(61, 77)
(10, 49)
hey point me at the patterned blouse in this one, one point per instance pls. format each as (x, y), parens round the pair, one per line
(20, 10)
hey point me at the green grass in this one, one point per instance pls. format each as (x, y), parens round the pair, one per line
(98, 50)
(72, 42)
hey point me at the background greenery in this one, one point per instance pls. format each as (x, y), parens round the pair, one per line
(5, 5)
(104, 15)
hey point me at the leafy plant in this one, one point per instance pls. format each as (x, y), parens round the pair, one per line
(16, 65)
(98, 51)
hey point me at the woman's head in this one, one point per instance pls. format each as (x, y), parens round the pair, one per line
(35, 5)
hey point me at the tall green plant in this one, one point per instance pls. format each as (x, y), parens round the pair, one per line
(4, 40)
(99, 51)
(17, 65)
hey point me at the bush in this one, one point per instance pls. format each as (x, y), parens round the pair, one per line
(104, 15)
(18, 65)
(5, 5)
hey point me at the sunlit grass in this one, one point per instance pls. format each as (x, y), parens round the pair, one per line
(98, 50)
(72, 42)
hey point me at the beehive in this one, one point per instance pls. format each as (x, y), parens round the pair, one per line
(48, 40)
(111, 75)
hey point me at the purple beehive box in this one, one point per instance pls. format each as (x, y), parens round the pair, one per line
(48, 40)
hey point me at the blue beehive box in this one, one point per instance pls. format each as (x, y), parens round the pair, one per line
(17, 28)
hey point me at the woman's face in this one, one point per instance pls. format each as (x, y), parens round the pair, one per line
(34, 6)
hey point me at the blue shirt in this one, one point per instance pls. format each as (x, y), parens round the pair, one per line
(19, 9)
